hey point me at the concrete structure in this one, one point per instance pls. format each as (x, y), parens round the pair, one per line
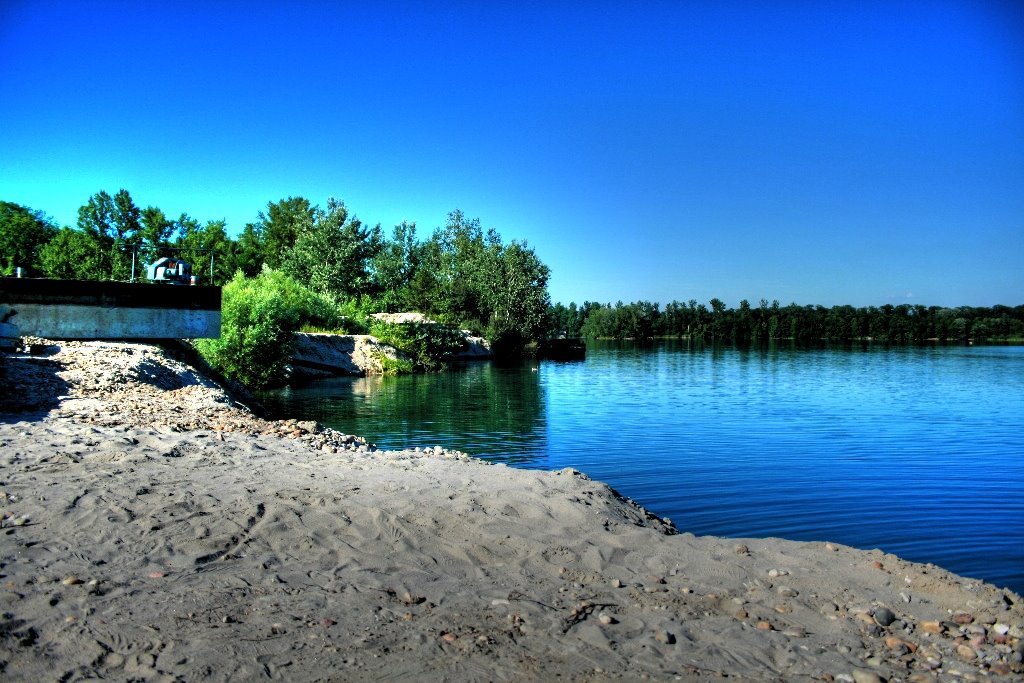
(85, 309)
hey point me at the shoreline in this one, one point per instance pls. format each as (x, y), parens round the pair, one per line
(155, 528)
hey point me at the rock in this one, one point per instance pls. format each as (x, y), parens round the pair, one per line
(665, 637)
(765, 626)
(605, 619)
(884, 616)
(616, 583)
(71, 580)
(741, 549)
(795, 632)
(962, 618)
(777, 572)
(931, 626)
(787, 592)
(864, 676)
(966, 652)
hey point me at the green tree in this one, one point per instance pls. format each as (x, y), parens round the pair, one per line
(515, 296)
(204, 245)
(333, 253)
(280, 226)
(248, 253)
(23, 233)
(394, 268)
(155, 234)
(72, 255)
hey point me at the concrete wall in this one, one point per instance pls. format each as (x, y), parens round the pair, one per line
(75, 309)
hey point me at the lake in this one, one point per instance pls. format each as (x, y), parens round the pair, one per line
(918, 451)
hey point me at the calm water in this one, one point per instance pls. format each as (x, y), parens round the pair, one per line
(917, 451)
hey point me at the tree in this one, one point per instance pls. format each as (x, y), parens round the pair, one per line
(280, 226)
(204, 245)
(95, 219)
(394, 268)
(248, 252)
(449, 281)
(332, 254)
(125, 226)
(516, 296)
(113, 224)
(23, 233)
(155, 233)
(72, 255)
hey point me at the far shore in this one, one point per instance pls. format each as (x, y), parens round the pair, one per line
(154, 528)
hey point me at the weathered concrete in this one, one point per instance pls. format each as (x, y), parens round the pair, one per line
(77, 309)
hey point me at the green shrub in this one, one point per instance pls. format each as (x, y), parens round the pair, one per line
(258, 317)
(394, 366)
(428, 345)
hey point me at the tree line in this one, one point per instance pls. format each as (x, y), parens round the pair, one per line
(750, 325)
(460, 274)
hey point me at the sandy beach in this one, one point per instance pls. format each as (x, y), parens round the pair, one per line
(156, 529)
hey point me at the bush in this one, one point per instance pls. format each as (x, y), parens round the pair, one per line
(428, 345)
(258, 317)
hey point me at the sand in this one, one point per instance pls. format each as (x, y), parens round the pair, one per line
(155, 529)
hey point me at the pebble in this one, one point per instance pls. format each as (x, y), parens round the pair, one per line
(777, 572)
(605, 618)
(741, 549)
(931, 626)
(665, 637)
(795, 632)
(787, 592)
(410, 599)
(1001, 629)
(962, 618)
(863, 676)
(884, 616)
(764, 626)
(966, 652)
(829, 546)
(71, 580)
(616, 583)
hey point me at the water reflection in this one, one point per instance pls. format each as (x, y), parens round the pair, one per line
(496, 412)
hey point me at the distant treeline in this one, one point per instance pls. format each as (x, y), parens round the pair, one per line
(903, 323)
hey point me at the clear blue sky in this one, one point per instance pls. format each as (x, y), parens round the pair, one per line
(819, 152)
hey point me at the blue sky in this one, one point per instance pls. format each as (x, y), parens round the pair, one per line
(817, 152)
